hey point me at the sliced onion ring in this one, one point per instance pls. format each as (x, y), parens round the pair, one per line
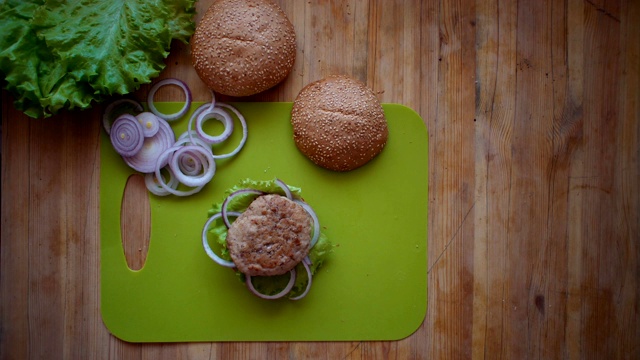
(228, 199)
(154, 186)
(217, 114)
(205, 241)
(190, 164)
(176, 115)
(185, 139)
(127, 135)
(145, 161)
(150, 123)
(284, 188)
(203, 155)
(191, 133)
(282, 293)
(244, 132)
(163, 159)
(305, 263)
(113, 110)
(316, 222)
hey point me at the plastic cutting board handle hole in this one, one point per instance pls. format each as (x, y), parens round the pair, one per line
(135, 222)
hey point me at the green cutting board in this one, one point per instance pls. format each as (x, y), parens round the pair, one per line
(373, 286)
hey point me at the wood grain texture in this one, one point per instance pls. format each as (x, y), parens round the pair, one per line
(533, 110)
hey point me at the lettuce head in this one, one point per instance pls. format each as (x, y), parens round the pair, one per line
(57, 54)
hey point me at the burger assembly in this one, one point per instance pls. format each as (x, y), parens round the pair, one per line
(270, 236)
(263, 229)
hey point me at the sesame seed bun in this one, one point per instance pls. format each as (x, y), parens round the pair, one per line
(271, 237)
(243, 47)
(338, 123)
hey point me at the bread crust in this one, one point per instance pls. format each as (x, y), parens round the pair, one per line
(338, 123)
(243, 47)
(270, 237)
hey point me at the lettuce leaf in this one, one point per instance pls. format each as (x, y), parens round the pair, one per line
(69, 54)
(265, 284)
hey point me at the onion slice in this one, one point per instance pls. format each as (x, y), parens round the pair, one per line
(283, 292)
(185, 139)
(316, 222)
(217, 114)
(284, 188)
(243, 122)
(189, 134)
(205, 241)
(305, 263)
(117, 108)
(228, 199)
(193, 134)
(150, 123)
(145, 161)
(197, 153)
(190, 164)
(162, 159)
(127, 135)
(176, 115)
(154, 186)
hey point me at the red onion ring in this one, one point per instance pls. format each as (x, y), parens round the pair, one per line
(113, 110)
(285, 291)
(184, 139)
(127, 136)
(284, 188)
(190, 132)
(201, 154)
(226, 201)
(305, 263)
(149, 122)
(316, 222)
(190, 164)
(154, 186)
(244, 132)
(176, 115)
(217, 114)
(163, 158)
(205, 241)
(145, 161)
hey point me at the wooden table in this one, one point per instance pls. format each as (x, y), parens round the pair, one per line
(532, 109)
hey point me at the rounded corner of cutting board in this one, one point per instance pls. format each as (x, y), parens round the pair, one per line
(112, 325)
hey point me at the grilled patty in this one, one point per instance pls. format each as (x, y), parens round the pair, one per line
(271, 237)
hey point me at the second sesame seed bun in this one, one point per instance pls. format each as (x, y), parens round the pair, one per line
(243, 47)
(338, 123)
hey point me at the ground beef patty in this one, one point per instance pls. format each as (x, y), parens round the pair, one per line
(270, 237)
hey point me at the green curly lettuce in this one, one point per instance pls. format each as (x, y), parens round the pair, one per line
(57, 54)
(268, 284)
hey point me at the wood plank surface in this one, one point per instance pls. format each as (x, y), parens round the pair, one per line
(533, 110)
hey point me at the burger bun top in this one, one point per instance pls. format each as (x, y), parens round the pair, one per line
(243, 47)
(338, 123)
